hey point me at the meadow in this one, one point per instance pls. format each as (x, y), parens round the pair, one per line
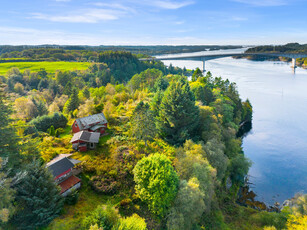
(50, 67)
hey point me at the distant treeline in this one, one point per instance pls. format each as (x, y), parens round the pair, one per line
(290, 47)
(25, 51)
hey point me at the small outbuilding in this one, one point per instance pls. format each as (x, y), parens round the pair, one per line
(84, 140)
(62, 168)
(93, 123)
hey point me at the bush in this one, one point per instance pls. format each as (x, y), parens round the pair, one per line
(104, 217)
(51, 131)
(105, 185)
(31, 130)
(43, 123)
(277, 220)
(133, 222)
(72, 197)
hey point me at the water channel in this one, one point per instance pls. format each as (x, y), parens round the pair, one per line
(277, 143)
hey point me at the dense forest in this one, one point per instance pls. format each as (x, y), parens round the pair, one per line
(290, 48)
(171, 158)
(147, 50)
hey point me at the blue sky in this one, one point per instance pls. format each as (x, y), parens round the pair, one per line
(153, 22)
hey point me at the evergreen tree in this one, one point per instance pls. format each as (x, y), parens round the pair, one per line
(38, 198)
(73, 101)
(68, 89)
(9, 148)
(52, 131)
(161, 84)
(41, 108)
(86, 93)
(197, 73)
(57, 133)
(6, 197)
(143, 123)
(178, 115)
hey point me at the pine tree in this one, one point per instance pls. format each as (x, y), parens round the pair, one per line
(73, 101)
(86, 93)
(38, 198)
(178, 115)
(57, 133)
(68, 89)
(51, 131)
(197, 73)
(6, 197)
(9, 148)
(143, 123)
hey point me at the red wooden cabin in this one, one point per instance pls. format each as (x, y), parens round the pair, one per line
(61, 168)
(84, 140)
(93, 123)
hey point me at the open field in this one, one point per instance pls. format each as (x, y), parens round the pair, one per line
(50, 67)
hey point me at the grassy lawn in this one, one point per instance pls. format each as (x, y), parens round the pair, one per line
(67, 132)
(50, 67)
(88, 201)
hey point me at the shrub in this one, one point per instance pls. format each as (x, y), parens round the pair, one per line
(44, 122)
(133, 222)
(104, 217)
(72, 197)
(105, 185)
(51, 131)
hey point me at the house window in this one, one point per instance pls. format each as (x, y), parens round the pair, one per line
(76, 125)
(92, 145)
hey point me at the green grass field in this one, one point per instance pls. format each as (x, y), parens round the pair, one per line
(50, 67)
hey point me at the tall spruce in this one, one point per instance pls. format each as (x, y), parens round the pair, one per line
(73, 102)
(143, 123)
(9, 148)
(38, 198)
(178, 115)
(7, 195)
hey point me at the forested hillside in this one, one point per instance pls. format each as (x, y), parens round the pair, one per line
(288, 48)
(23, 51)
(171, 157)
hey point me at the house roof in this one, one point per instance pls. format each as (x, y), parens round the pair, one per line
(89, 121)
(68, 183)
(61, 156)
(86, 136)
(94, 128)
(60, 166)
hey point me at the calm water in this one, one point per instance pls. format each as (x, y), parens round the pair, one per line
(277, 144)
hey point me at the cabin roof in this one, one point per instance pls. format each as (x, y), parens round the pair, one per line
(61, 156)
(92, 137)
(60, 166)
(68, 183)
(87, 122)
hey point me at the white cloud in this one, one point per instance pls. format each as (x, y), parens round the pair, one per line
(84, 16)
(116, 6)
(166, 4)
(171, 5)
(263, 2)
(179, 22)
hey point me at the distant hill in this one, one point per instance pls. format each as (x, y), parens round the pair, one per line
(149, 50)
(290, 47)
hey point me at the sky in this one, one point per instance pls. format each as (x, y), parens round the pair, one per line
(152, 22)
